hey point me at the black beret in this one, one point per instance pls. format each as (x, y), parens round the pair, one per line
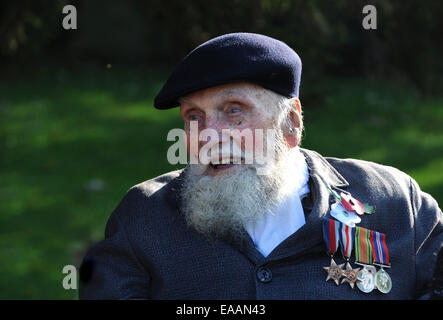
(234, 57)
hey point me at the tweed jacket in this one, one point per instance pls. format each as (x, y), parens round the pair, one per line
(149, 252)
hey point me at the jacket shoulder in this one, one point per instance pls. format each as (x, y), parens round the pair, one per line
(371, 174)
(151, 186)
(148, 197)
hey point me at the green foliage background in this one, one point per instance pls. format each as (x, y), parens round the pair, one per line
(78, 129)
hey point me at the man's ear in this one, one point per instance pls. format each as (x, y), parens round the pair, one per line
(298, 105)
(296, 117)
(295, 123)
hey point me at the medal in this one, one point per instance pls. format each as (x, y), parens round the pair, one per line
(346, 238)
(350, 275)
(380, 252)
(366, 279)
(363, 256)
(383, 281)
(370, 246)
(334, 271)
(330, 235)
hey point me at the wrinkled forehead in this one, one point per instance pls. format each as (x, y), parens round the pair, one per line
(246, 92)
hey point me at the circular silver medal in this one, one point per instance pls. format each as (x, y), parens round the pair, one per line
(383, 281)
(365, 280)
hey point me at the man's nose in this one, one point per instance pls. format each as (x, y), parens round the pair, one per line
(219, 128)
(213, 122)
(216, 124)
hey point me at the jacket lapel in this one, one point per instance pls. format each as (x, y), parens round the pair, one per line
(322, 174)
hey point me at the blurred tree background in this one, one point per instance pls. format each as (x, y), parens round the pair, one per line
(77, 126)
(328, 35)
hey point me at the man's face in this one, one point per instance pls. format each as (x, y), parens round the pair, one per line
(221, 199)
(236, 106)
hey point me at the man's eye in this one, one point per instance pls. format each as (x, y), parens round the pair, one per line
(234, 110)
(194, 117)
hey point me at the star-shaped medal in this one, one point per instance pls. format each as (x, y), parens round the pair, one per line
(350, 275)
(334, 271)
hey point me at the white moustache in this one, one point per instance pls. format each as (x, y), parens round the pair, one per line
(224, 153)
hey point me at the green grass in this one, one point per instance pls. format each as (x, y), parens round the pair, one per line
(383, 123)
(72, 144)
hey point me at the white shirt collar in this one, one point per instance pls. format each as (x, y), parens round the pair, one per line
(273, 228)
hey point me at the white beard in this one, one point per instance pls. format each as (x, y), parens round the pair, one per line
(222, 205)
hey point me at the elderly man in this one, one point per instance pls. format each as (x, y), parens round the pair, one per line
(274, 229)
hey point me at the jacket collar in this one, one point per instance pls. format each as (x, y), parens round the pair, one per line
(318, 166)
(308, 239)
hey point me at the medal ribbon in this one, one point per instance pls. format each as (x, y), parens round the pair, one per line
(363, 247)
(330, 235)
(346, 237)
(380, 250)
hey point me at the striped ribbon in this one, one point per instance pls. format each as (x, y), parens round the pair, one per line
(346, 237)
(363, 247)
(330, 234)
(380, 250)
